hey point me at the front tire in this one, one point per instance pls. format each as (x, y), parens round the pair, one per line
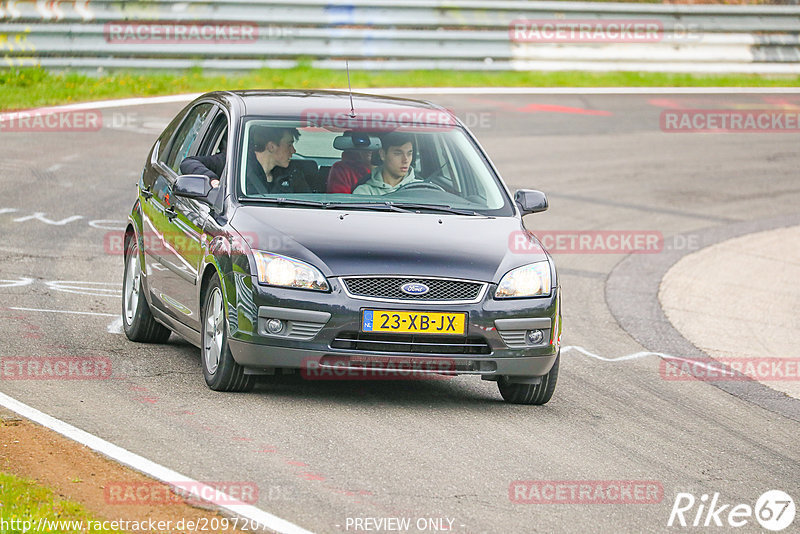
(220, 370)
(137, 319)
(536, 394)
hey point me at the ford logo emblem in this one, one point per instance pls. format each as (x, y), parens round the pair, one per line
(414, 288)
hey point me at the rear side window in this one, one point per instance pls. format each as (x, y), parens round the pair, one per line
(186, 135)
(216, 137)
(166, 135)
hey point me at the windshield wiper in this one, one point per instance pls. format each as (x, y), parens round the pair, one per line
(288, 201)
(439, 207)
(380, 206)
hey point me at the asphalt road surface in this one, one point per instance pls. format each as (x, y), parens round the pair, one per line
(326, 453)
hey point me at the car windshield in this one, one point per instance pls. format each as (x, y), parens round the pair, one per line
(391, 166)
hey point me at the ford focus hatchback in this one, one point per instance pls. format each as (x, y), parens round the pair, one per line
(292, 231)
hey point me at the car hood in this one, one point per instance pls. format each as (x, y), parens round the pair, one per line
(342, 243)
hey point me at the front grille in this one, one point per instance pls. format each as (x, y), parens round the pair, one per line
(410, 343)
(442, 290)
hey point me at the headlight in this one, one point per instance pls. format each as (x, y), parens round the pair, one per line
(277, 270)
(527, 281)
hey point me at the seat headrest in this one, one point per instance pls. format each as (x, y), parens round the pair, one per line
(306, 166)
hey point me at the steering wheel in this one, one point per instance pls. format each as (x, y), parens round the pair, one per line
(423, 185)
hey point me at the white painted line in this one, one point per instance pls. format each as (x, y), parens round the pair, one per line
(633, 356)
(40, 216)
(103, 104)
(152, 469)
(23, 281)
(96, 289)
(576, 90)
(109, 224)
(636, 356)
(115, 326)
(64, 311)
(128, 102)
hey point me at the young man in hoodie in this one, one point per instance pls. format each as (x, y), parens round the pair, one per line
(396, 153)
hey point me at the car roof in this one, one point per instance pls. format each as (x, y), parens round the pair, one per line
(293, 103)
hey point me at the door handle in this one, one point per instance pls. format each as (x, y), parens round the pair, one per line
(170, 213)
(147, 194)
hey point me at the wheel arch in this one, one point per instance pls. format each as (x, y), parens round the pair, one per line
(130, 231)
(209, 271)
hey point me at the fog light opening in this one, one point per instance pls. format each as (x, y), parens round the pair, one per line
(275, 326)
(535, 337)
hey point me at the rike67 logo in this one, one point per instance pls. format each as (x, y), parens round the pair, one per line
(774, 510)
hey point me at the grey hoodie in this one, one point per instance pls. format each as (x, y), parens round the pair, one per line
(376, 185)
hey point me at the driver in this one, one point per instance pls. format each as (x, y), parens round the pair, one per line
(396, 153)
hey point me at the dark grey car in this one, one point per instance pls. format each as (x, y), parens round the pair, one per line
(434, 275)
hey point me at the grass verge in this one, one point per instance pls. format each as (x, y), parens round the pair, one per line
(33, 87)
(24, 504)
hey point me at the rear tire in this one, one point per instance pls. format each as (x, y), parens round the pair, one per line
(530, 393)
(220, 370)
(137, 319)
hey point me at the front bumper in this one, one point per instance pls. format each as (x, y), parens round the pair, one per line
(316, 324)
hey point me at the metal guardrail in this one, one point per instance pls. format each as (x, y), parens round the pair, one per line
(399, 34)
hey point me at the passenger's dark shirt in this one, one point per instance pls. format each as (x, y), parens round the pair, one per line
(284, 180)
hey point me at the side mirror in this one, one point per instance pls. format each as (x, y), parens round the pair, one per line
(530, 201)
(195, 186)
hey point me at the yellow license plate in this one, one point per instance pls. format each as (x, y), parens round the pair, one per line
(405, 322)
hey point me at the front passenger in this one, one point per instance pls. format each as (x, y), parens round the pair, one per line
(268, 157)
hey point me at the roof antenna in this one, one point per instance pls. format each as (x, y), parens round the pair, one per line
(350, 90)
